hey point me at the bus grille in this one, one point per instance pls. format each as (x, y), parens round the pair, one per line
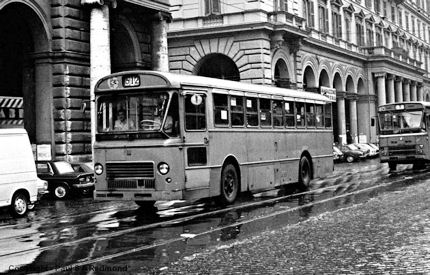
(130, 170)
(402, 150)
(131, 184)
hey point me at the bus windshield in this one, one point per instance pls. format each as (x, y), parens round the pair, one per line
(146, 112)
(401, 122)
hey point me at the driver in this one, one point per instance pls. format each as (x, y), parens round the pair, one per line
(155, 124)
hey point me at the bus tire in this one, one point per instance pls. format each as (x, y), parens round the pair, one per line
(392, 166)
(146, 205)
(19, 205)
(229, 184)
(305, 172)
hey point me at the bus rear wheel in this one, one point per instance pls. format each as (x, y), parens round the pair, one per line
(229, 184)
(305, 172)
(146, 204)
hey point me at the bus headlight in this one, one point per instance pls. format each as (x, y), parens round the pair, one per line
(98, 169)
(163, 168)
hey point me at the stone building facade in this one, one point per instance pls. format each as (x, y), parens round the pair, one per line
(371, 52)
(51, 53)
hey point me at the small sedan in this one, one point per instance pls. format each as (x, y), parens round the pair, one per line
(353, 147)
(63, 180)
(364, 146)
(351, 155)
(337, 154)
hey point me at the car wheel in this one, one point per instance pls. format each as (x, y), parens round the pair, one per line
(305, 172)
(349, 159)
(61, 191)
(19, 205)
(229, 184)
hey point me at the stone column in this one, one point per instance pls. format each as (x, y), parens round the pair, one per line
(353, 117)
(160, 56)
(390, 89)
(420, 96)
(341, 118)
(406, 91)
(399, 89)
(100, 62)
(413, 91)
(381, 88)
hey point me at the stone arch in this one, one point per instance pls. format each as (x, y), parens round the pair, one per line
(217, 66)
(324, 79)
(125, 48)
(282, 69)
(309, 79)
(338, 82)
(361, 89)
(26, 72)
(428, 97)
(349, 85)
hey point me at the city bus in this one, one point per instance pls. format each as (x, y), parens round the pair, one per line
(404, 130)
(163, 136)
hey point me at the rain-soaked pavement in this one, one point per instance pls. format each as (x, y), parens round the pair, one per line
(361, 219)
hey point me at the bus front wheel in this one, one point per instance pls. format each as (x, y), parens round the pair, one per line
(305, 172)
(229, 184)
(392, 166)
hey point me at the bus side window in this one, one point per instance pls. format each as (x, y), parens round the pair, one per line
(310, 115)
(265, 114)
(221, 109)
(237, 111)
(289, 114)
(327, 115)
(277, 113)
(195, 114)
(300, 114)
(319, 115)
(251, 111)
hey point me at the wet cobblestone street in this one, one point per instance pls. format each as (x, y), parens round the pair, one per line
(389, 234)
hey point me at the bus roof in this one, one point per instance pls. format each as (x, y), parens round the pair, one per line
(403, 105)
(178, 80)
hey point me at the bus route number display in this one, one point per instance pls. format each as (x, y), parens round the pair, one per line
(131, 81)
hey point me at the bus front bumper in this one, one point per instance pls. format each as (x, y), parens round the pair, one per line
(402, 159)
(138, 196)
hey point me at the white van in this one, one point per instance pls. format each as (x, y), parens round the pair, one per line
(18, 178)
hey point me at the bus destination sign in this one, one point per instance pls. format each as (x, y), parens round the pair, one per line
(132, 80)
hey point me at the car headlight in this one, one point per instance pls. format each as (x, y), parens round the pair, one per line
(98, 169)
(163, 168)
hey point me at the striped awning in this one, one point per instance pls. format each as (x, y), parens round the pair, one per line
(11, 102)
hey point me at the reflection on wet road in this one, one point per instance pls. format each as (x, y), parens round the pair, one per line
(81, 233)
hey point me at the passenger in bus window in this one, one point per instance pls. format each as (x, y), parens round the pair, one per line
(122, 123)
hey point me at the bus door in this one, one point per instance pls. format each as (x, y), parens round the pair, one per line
(196, 142)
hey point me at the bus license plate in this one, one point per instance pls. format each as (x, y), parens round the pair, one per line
(131, 81)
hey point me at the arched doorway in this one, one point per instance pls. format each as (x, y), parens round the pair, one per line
(217, 66)
(25, 75)
(282, 77)
(350, 111)
(125, 54)
(324, 79)
(428, 98)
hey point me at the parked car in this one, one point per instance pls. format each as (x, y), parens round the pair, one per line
(351, 153)
(84, 167)
(337, 154)
(63, 180)
(365, 146)
(354, 147)
(374, 146)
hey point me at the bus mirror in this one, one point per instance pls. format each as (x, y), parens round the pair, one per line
(196, 99)
(372, 122)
